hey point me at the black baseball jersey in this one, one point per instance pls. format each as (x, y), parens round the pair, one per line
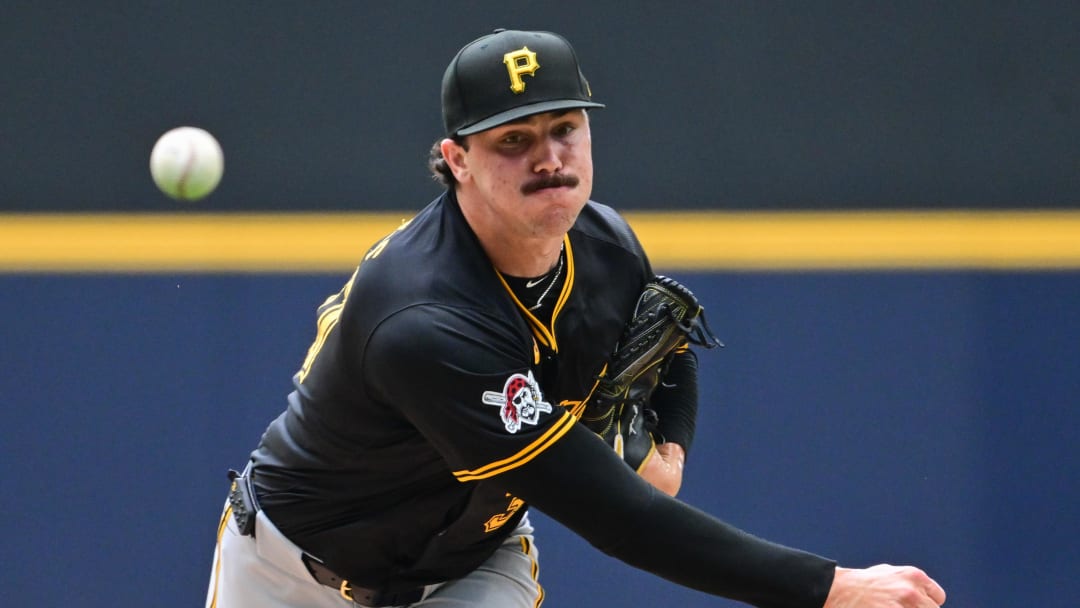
(428, 378)
(433, 407)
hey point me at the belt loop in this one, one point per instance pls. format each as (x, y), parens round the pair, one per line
(345, 590)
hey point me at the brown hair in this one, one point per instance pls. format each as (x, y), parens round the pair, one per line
(440, 169)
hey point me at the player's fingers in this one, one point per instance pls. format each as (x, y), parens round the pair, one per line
(928, 585)
(934, 591)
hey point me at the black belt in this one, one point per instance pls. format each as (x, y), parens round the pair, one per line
(245, 505)
(373, 598)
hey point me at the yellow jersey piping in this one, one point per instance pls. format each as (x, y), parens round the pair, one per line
(526, 454)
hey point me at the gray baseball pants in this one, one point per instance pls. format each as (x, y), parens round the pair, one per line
(265, 571)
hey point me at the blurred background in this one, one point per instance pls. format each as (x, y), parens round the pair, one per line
(917, 411)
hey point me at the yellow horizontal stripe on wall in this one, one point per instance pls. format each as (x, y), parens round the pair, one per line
(870, 240)
(334, 242)
(190, 242)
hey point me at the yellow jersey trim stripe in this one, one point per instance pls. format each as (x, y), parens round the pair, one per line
(217, 552)
(557, 430)
(534, 571)
(707, 240)
(568, 285)
(546, 335)
(579, 407)
(539, 332)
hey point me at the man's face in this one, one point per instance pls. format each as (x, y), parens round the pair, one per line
(532, 176)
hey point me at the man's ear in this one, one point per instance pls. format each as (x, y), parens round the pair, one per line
(455, 157)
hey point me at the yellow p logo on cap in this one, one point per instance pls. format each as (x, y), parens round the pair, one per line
(519, 63)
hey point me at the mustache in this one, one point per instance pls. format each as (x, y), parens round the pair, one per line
(554, 180)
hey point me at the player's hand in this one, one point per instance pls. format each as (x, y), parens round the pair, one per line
(884, 586)
(665, 469)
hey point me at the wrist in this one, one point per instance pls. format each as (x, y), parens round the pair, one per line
(675, 401)
(673, 454)
(664, 468)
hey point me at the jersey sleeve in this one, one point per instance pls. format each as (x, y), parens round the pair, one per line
(463, 379)
(632, 521)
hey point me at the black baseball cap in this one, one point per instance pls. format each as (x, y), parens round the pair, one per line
(510, 74)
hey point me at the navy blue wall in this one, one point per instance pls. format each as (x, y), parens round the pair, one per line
(903, 417)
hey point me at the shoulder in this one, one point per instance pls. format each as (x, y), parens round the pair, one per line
(429, 345)
(432, 257)
(602, 233)
(601, 222)
(428, 291)
(446, 330)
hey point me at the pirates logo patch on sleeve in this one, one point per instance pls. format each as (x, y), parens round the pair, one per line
(520, 401)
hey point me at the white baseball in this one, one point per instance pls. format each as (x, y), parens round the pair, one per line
(187, 163)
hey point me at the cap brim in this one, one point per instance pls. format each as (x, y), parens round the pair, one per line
(523, 111)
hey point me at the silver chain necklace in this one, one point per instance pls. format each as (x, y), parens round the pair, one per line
(554, 280)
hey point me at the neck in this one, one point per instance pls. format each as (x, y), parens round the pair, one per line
(524, 259)
(511, 252)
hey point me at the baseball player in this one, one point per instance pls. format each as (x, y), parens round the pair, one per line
(444, 393)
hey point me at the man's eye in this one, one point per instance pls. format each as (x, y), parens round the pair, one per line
(512, 139)
(564, 129)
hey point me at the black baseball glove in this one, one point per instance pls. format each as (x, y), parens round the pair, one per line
(667, 317)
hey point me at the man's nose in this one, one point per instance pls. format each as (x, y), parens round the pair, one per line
(547, 157)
